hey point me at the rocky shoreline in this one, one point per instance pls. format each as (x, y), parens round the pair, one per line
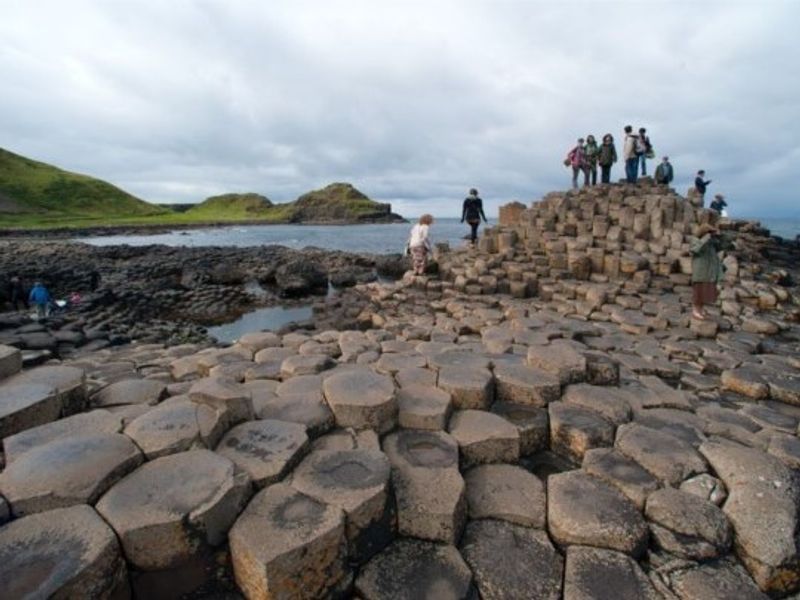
(539, 417)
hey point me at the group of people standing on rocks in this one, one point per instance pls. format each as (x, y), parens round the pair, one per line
(40, 297)
(587, 155)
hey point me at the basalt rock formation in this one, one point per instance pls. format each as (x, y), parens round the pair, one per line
(525, 424)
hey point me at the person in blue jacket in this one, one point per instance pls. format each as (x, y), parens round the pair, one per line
(40, 297)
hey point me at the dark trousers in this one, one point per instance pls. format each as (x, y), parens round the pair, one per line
(591, 174)
(605, 173)
(632, 169)
(474, 230)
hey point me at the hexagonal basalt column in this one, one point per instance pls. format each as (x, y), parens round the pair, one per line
(423, 407)
(520, 384)
(265, 449)
(358, 482)
(289, 545)
(362, 400)
(226, 395)
(469, 387)
(430, 491)
(175, 506)
(27, 405)
(67, 471)
(484, 437)
(70, 382)
(62, 553)
(415, 570)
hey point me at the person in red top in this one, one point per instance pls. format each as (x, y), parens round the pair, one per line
(576, 158)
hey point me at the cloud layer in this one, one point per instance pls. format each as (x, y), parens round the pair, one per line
(413, 102)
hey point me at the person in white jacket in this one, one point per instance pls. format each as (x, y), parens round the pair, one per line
(419, 243)
(630, 156)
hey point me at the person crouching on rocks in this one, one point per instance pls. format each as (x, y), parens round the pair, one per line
(706, 269)
(419, 243)
(472, 212)
(40, 298)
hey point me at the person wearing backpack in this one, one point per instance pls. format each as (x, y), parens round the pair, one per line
(576, 158)
(644, 149)
(607, 157)
(630, 156)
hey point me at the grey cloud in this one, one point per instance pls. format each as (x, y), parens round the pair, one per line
(413, 102)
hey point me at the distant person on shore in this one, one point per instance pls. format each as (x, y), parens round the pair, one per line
(706, 269)
(644, 149)
(472, 213)
(664, 172)
(700, 184)
(630, 156)
(607, 157)
(718, 204)
(419, 243)
(41, 299)
(16, 293)
(576, 158)
(591, 152)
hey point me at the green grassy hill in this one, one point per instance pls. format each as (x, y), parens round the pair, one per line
(337, 202)
(232, 206)
(32, 191)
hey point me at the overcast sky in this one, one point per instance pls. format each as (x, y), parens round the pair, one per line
(412, 102)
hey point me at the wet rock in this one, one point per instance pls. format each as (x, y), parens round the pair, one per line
(27, 405)
(531, 422)
(431, 501)
(286, 544)
(357, 481)
(687, 526)
(174, 507)
(574, 430)
(362, 400)
(423, 407)
(469, 387)
(621, 472)
(412, 569)
(665, 456)
(583, 510)
(484, 437)
(130, 391)
(506, 492)
(762, 505)
(62, 553)
(175, 426)
(67, 471)
(300, 277)
(520, 384)
(266, 449)
(511, 561)
(598, 574)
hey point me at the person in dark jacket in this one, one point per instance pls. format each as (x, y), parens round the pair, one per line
(40, 297)
(16, 293)
(607, 157)
(664, 172)
(472, 213)
(700, 184)
(718, 204)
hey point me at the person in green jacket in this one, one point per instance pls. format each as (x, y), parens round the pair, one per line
(607, 157)
(706, 269)
(591, 152)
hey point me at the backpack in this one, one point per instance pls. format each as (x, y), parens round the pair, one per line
(642, 144)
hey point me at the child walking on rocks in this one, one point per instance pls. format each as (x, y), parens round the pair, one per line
(706, 269)
(419, 243)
